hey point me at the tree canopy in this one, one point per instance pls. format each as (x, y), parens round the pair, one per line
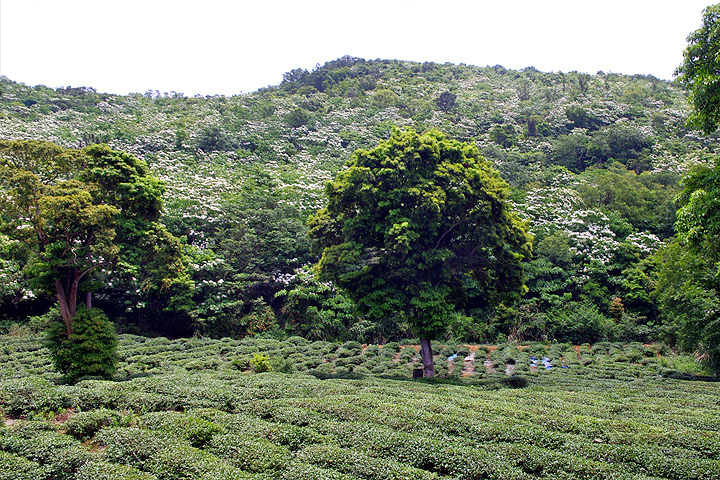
(82, 213)
(699, 71)
(689, 284)
(418, 227)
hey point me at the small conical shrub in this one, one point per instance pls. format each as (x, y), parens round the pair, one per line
(90, 351)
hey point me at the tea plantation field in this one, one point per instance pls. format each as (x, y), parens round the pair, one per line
(193, 408)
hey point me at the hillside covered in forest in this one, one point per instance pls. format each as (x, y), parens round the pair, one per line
(593, 162)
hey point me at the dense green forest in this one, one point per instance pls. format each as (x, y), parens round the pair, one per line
(594, 164)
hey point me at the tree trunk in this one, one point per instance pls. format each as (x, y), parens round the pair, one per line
(427, 358)
(66, 308)
(67, 299)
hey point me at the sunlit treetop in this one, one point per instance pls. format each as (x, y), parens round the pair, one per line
(419, 226)
(700, 71)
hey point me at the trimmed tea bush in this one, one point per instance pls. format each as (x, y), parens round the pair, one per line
(13, 467)
(21, 396)
(99, 470)
(85, 425)
(197, 431)
(252, 454)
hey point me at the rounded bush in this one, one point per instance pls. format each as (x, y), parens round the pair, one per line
(197, 431)
(111, 471)
(90, 351)
(132, 446)
(85, 425)
(251, 454)
(20, 396)
(13, 467)
(393, 347)
(259, 363)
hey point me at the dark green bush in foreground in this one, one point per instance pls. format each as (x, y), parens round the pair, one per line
(90, 351)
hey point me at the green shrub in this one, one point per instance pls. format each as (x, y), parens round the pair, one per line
(372, 351)
(633, 355)
(63, 462)
(619, 358)
(448, 350)
(509, 354)
(100, 470)
(132, 446)
(321, 348)
(260, 363)
(282, 364)
(182, 462)
(648, 361)
(39, 323)
(393, 347)
(361, 370)
(252, 454)
(90, 351)
(298, 341)
(648, 352)
(407, 354)
(85, 425)
(197, 431)
(163, 455)
(463, 351)
(482, 351)
(361, 465)
(240, 363)
(203, 364)
(22, 396)
(13, 467)
(297, 118)
(94, 394)
(305, 471)
(59, 455)
(353, 346)
(578, 323)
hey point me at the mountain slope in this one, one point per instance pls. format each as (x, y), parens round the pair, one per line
(593, 161)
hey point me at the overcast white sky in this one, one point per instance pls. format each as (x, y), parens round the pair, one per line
(228, 47)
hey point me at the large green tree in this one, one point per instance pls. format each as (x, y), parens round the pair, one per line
(418, 227)
(699, 71)
(85, 212)
(690, 279)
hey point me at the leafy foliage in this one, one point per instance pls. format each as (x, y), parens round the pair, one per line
(592, 162)
(614, 402)
(90, 351)
(417, 227)
(318, 311)
(688, 284)
(698, 71)
(83, 213)
(259, 363)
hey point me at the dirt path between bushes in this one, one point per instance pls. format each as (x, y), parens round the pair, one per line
(468, 365)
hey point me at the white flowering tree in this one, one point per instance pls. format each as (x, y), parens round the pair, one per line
(208, 149)
(13, 289)
(81, 211)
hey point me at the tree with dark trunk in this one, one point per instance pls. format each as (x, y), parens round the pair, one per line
(81, 211)
(417, 228)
